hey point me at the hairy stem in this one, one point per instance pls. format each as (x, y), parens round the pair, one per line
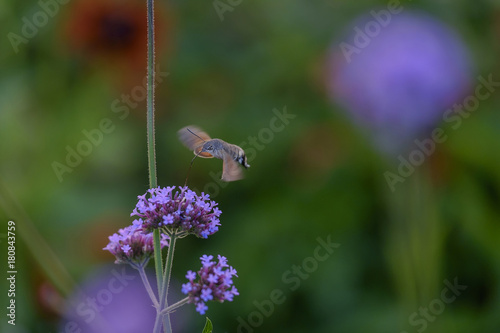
(174, 306)
(145, 280)
(152, 153)
(160, 317)
(151, 96)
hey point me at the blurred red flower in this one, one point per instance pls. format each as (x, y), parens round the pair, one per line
(113, 34)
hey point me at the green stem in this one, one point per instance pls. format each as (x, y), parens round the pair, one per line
(151, 143)
(164, 289)
(145, 280)
(166, 280)
(158, 258)
(174, 306)
(151, 96)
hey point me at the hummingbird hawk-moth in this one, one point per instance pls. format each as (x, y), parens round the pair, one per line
(202, 145)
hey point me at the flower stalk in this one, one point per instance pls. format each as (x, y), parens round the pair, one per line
(174, 306)
(166, 282)
(151, 96)
(151, 143)
(147, 285)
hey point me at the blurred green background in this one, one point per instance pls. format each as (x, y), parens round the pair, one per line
(318, 177)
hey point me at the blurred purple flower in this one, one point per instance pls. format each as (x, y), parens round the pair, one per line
(398, 80)
(181, 211)
(213, 284)
(113, 300)
(132, 246)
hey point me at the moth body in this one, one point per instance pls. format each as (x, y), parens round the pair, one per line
(206, 147)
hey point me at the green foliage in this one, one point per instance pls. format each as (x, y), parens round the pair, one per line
(208, 327)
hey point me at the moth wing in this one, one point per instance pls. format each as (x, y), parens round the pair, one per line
(193, 142)
(230, 169)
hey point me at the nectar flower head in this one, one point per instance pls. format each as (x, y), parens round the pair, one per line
(132, 246)
(177, 210)
(213, 283)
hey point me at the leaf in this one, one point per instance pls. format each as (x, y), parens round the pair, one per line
(208, 326)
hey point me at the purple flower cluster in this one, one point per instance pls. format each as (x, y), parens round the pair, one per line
(214, 283)
(398, 83)
(181, 211)
(132, 246)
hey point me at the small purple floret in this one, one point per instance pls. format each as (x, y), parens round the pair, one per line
(214, 283)
(132, 246)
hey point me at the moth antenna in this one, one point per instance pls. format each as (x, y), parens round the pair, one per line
(196, 135)
(191, 164)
